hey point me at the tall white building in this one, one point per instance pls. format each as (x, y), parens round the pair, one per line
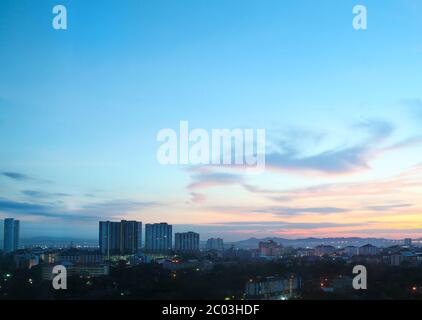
(11, 235)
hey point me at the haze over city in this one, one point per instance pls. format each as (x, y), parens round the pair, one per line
(342, 110)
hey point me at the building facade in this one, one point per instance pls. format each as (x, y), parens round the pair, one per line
(273, 288)
(82, 270)
(351, 251)
(408, 242)
(79, 256)
(215, 244)
(158, 237)
(324, 250)
(131, 237)
(11, 235)
(269, 248)
(120, 238)
(186, 242)
(368, 250)
(25, 260)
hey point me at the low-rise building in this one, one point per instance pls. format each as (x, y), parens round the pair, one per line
(336, 284)
(273, 288)
(350, 251)
(305, 252)
(79, 257)
(324, 250)
(25, 260)
(84, 270)
(368, 250)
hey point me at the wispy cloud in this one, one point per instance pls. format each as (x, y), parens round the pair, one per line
(391, 187)
(267, 226)
(17, 176)
(335, 161)
(378, 130)
(283, 224)
(409, 142)
(43, 194)
(211, 179)
(23, 177)
(388, 207)
(41, 210)
(198, 197)
(290, 211)
(338, 160)
(119, 206)
(88, 212)
(204, 178)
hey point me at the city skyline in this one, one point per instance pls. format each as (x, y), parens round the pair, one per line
(81, 108)
(128, 237)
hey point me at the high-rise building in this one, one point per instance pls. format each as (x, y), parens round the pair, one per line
(131, 237)
(109, 238)
(215, 244)
(124, 237)
(186, 242)
(11, 235)
(269, 248)
(158, 237)
(408, 242)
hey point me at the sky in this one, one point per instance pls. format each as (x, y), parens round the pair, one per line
(80, 110)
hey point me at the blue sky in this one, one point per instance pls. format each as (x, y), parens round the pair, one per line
(80, 110)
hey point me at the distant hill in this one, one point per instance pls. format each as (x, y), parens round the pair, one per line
(251, 243)
(312, 242)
